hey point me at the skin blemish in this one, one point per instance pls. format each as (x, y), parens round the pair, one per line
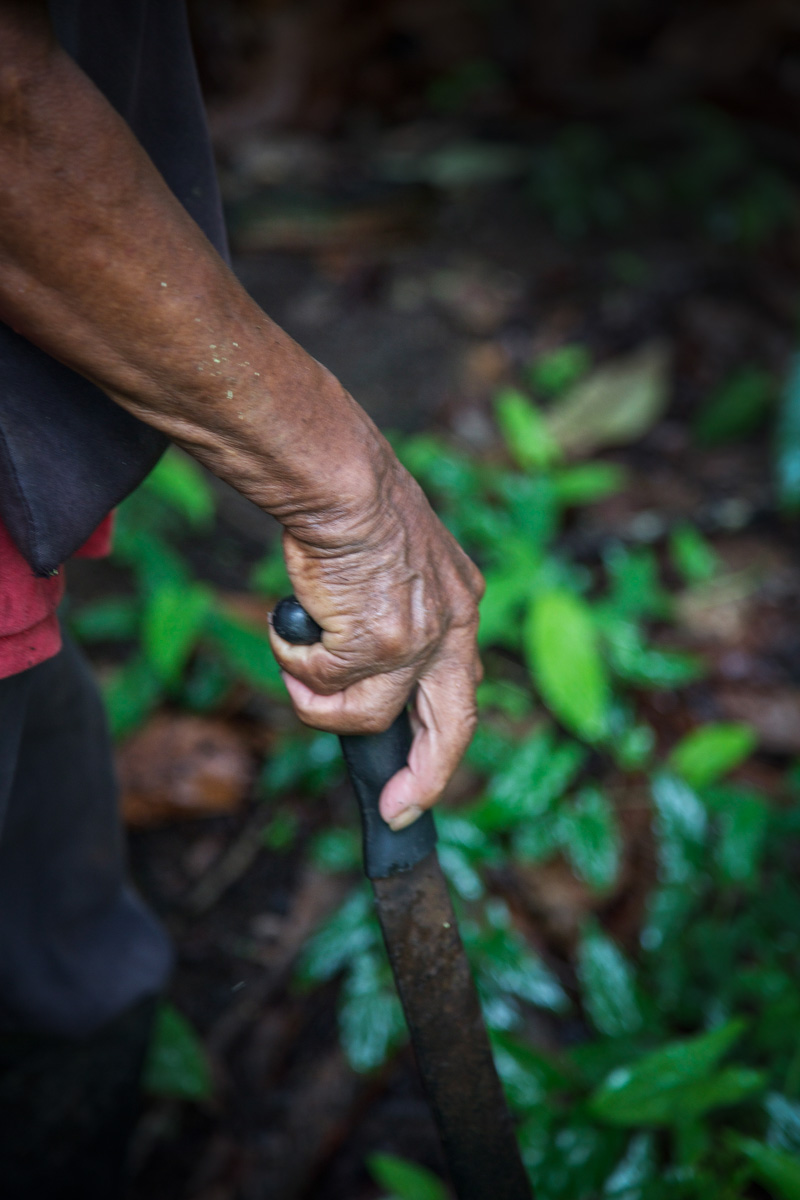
(236, 344)
(163, 284)
(217, 360)
(229, 395)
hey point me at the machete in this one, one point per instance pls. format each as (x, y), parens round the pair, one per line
(430, 966)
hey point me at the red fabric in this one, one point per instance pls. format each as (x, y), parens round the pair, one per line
(29, 631)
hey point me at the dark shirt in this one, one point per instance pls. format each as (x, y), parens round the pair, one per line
(68, 453)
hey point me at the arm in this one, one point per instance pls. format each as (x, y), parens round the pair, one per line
(102, 268)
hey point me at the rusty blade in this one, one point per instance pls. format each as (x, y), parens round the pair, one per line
(448, 1034)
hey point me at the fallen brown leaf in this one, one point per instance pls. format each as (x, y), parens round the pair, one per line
(181, 767)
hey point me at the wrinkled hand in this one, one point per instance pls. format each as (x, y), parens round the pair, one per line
(397, 600)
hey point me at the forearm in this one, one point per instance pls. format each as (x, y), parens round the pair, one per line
(102, 268)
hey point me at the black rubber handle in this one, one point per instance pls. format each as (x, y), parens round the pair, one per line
(372, 759)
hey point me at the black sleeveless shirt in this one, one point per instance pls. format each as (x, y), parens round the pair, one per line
(68, 453)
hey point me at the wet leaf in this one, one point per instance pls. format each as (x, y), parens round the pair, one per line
(504, 964)
(634, 662)
(787, 440)
(405, 1180)
(608, 985)
(115, 619)
(179, 481)
(130, 695)
(245, 648)
(681, 826)
(743, 818)
(525, 430)
(533, 775)
(555, 371)
(691, 554)
(775, 1169)
(528, 1076)
(729, 1086)
(588, 831)
(710, 751)
(588, 482)
(172, 622)
(177, 1065)
(635, 1170)
(651, 1091)
(616, 404)
(351, 932)
(308, 762)
(371, 1022)
(783, 1131)
(563, 655)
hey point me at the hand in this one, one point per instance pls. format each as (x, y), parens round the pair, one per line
(397, 600)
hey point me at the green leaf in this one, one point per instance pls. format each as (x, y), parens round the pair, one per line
(588, 482)
(775, 1169)
(692, 556)
(639, 664)
(590, 837)
(736, 409)
(787, 440)
(635, 1170)
(563, 656)
(405, 1180)
(336, 850)
(352, 931)
(533, 775)
(130, 695)
(179, 481)
(616, 404)
(371, 1022)
(173, 619)
(783, 1131)
(246, 650)
(635, 589)
(729, 1086)
(308, 762)
(177, 1065)
(508, 588)
(743, 818)
(710, 751)
(556, 370)
(528, 1076)
(525, 431)
(114, 619)
(651, 1091)
(505, 965)
(270, 576)
(681, 827)
(608, 985)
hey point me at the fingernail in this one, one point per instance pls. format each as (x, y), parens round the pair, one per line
(405, 818)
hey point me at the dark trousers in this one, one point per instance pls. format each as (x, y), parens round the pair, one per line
(81, 958)
(77, 946)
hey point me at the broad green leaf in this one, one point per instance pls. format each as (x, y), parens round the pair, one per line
(532, 504)
(371, 1022)
(246, 650)
(616, 404)
(651, 1090)
(691, 554)
(783, 1131)
(351, 932)
(589, 834)
(742, 817)
(528, 1076)
(508, 589)
(737, 408)
(336, 850)
(787, 440)
(635, 587)
(635, 1170)
(525, 431)
(179, 481)
(710, 751)
(556, 370)
(775, 1169)
(172, 623)
(177, 1065)
(533, 775)
(405, 1180)
(504, 963)
(309, 762)
(726, 1087)
(608, 985)
(130, 695)
(588, 482)
(114, 619)
(270, 576)
(633, 661)
(563, 655)
(681, 827)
